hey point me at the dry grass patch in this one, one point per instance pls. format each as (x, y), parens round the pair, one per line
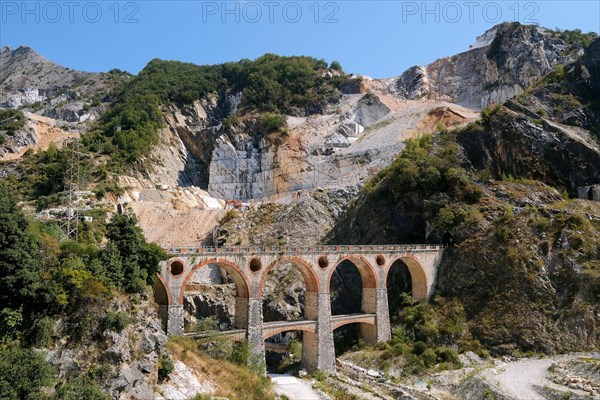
(233, 381)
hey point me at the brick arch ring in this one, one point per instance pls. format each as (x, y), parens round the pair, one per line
(365, 269)
(242, 287)
(310, 278)
(417, 275)
(160, 286)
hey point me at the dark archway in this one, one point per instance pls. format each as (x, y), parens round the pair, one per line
(284, 350)
(349, 335)
(162, 297)
(398, 281)
(346, 289)
(352, 281)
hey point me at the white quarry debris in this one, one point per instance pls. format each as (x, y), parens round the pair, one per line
(183, 385)
(139, 191)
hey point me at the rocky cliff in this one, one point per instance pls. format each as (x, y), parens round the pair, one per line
(506, 60)
(125, 360)
(551, 133)
(340, 148)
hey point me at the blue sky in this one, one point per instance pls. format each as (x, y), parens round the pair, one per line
(376, 38)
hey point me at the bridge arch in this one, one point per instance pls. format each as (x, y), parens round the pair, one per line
(239, 279)
(270, 332)
(162, 293)
(417, 275)
(310, 278)
(365, 269)
(358, 320)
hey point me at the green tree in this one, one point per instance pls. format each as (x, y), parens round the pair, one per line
(22, 373)
(20, 266)
(139, 259)
(335, 65)
(110, 259)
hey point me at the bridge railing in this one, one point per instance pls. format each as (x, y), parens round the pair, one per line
(320, 249)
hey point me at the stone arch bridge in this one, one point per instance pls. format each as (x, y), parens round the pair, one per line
(248, 267)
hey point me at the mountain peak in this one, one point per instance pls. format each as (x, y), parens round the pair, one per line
(23, 50)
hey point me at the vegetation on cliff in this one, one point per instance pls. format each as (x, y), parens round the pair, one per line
(271, 83)
(522, 264)
(11, 121)
(50, 289)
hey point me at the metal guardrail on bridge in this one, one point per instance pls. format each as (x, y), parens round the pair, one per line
(320, 249)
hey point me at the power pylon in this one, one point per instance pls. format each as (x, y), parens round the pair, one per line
(70, 221)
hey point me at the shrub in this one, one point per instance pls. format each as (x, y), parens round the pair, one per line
(488, 112)
(230, 121)
(207, 324)
(81, 387)
(40, 333)
(576, 221)
(108, 187)
(419, 347)
(429, 357)
(335, 65)
(230, 215)
(273, 122)
(165, 367)
(319, 375)
(240, 353)
(577, 37)
(116, 321)
(441, 128)
(12, 121)
(446, 354)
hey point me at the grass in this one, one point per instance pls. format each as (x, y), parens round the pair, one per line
(330, 387)
(233, 381)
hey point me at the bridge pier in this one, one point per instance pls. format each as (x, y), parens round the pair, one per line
(255, 329)
(317, 348)
(382, 319)
(242, 313)
(375, 301)
(174, 315)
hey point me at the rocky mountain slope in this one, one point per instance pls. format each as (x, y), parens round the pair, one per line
(520, 246)
(504, 62)
(351, 140)
(65, 98)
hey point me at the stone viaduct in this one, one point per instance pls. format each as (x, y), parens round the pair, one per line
(248, 267)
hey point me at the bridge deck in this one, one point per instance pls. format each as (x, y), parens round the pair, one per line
(323, 249)
(274, 327)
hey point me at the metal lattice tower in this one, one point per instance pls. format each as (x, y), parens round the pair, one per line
(70, 221)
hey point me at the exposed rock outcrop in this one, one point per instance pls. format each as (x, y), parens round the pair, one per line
(557, 154)
(506, 60)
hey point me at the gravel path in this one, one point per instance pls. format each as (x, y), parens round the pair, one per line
(517, 379)
(293, 388)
